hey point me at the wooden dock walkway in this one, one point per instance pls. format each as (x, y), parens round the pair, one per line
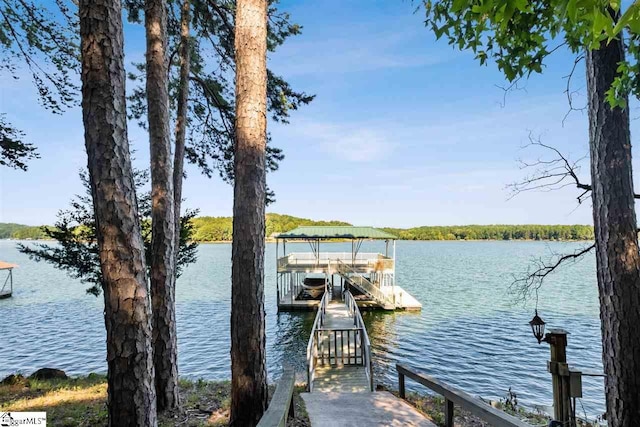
(344, 379)
(364, 409)
(340, 373)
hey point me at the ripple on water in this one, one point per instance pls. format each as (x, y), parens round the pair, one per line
(468, 333)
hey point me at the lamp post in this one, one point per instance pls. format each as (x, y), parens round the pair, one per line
(558, 367)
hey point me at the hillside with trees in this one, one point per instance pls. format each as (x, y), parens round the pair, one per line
(219, 229)
(22, 232)
(495, 232)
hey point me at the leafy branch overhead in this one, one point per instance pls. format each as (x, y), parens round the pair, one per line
(211, 105)
(14, 152)
(36, 42)
(519, 35)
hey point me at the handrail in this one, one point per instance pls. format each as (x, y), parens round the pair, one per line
(453, 396)
(360, 256)
(365, 284)
(366, 343)
(375, 261)
(318, 322)
(281, 406)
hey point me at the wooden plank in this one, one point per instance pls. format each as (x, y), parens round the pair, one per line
(344, 379)
(281, 402)
(472, 404)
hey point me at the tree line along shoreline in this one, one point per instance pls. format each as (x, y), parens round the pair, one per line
(208, 229)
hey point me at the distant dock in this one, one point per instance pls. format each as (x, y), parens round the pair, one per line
(6, 291)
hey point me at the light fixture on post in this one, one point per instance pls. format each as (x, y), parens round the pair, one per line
(563, 390)
(537, 327)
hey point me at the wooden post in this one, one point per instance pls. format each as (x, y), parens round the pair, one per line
(292, 404)
(448, 413)
(401, 389)
(559, 369)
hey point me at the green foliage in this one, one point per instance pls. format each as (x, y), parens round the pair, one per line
(45, 45)
(277, 223)
(77, 249)
(518, 35)
(8, 228)
(31, 233)
(212, 229)
(13, 151)
(21, 232)
(219, 229)
(495, 232)
(211, 108)
(82, 401)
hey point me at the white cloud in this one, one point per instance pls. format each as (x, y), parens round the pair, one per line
(350, 142)
(359, 145)
(370, 50)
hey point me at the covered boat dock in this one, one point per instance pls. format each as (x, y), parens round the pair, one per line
(370, 276)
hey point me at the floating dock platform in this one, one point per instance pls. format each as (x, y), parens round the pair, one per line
(7, 286)
(370, 277)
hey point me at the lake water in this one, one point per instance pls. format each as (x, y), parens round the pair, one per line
(469, 332)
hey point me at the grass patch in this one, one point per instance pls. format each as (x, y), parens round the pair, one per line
(82, 402)
(68, 402)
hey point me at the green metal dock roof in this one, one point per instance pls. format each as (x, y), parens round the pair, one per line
(337, 232)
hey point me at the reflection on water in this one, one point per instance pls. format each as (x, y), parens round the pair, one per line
(469, 333)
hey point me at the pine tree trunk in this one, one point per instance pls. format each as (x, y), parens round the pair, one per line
(181, 119)
(163, 258)
(131, 394)
(248, 370)
(617, 257)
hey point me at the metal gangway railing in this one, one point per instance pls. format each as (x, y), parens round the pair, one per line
(312, 347)
(364, 285)
(336, 347)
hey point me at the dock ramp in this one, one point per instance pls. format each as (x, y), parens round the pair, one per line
(339, 350)
(340, 377)
(362, 284)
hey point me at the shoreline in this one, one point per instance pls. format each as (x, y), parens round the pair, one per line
(204, 242)
(206, 402)
(271, 240)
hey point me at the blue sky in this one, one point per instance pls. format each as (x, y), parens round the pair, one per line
(404, 131)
